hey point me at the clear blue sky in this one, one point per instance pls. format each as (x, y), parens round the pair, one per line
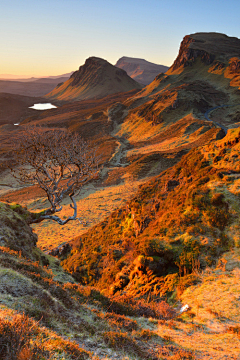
(52, 37)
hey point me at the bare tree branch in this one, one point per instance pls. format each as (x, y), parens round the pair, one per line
(59, 161)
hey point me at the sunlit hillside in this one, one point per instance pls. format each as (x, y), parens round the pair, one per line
(95, 79)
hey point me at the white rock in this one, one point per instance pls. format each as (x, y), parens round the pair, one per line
(184, 308)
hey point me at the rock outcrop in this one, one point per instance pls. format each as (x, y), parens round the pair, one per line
(210, 47)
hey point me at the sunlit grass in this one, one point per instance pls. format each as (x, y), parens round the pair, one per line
(95, 205)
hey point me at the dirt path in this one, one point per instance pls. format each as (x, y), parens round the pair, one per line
(215, 108)
(118, 159)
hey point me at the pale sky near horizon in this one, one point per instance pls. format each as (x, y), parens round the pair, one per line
(53, 37)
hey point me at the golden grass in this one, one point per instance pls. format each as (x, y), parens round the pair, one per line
(172, 143)
(93, 206)
(211, 327)
(217, 294)
(23, 338)
(136, 128)
(206, 343)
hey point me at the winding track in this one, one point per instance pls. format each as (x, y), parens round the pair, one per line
(225, 129)
(123, 146)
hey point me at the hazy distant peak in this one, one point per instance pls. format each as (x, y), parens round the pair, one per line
(140, 70)
(134, 60)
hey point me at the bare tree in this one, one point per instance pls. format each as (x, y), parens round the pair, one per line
(59, 161)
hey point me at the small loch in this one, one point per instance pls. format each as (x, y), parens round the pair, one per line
(43, 106)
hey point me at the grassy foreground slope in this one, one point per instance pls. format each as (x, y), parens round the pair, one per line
(45, 314)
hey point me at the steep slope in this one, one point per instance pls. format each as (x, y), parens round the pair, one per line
(168, 115)
(95, 79)
(178, 223)
(205, 74)
(45, 314)
(140, 70)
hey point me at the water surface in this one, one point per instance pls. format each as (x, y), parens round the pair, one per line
(42, 106)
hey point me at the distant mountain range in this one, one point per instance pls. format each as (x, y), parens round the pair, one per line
(140, 70)
(95, 79)
(30, 87)
(23, 78)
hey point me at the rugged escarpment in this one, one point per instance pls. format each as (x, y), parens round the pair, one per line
(140, 70)
(97, 78)
(204, 75)
(210, 47)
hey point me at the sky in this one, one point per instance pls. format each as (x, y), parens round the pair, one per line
(54, 37)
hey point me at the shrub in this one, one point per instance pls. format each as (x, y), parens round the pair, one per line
(121, 321)
(15, 339)
(183, 355)
(71, 348)
(234, 330)
(153, 309)
(121, 341)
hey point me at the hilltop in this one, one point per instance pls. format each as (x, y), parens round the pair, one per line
(213, 48)
(97, 78)
(140, 70)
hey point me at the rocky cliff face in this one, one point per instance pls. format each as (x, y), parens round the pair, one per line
(97, 78)
(187, 55)
(202, 69)
(210, 47)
